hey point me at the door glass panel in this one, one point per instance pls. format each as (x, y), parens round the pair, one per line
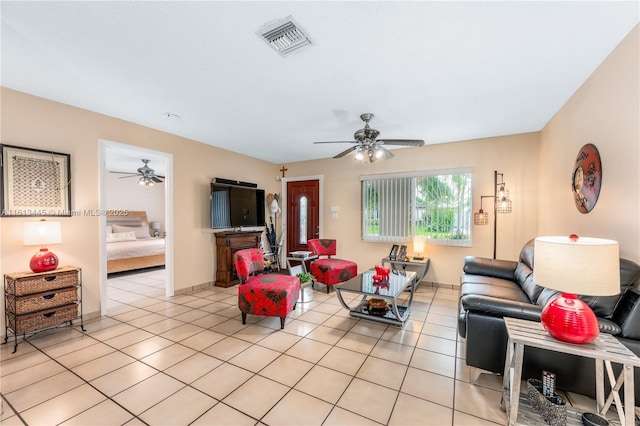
(303, 220)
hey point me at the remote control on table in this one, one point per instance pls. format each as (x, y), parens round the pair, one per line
(548, 383)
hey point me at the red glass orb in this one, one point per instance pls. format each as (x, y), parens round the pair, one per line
(43, 261)
(569, 319)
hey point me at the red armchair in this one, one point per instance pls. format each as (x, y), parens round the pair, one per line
(271, 295)
(329, 270)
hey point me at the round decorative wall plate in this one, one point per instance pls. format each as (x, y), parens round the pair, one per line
(586, 178)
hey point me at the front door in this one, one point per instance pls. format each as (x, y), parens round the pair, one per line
(303, 213)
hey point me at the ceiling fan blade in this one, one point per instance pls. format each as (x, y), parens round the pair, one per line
(338, 142)
(156, 180)
(345, 152)
(402, 142)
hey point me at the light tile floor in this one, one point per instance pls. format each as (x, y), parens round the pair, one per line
(189, 360)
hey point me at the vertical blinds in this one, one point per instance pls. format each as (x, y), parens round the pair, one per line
(436, 205)
(387, 217)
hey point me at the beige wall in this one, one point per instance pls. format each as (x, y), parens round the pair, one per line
(33, 122)
(605, 111)
(516, 156)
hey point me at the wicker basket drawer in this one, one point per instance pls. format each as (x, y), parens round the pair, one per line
(37, 302)
(43, 319)
(41, 282)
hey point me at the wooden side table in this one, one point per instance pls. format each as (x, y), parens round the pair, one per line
(604, 350)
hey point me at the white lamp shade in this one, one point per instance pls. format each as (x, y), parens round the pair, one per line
(587, 266)
(418, 244)
(42, 233)
(155, 225)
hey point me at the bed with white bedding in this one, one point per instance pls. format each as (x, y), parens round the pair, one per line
(129, 245)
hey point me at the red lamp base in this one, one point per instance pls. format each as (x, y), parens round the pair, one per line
(43, 261)
(569, 319)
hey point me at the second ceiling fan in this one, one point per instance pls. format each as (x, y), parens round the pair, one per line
(367, 143)
(146, 175)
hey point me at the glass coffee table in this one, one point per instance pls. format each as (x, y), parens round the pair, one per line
(363, 285)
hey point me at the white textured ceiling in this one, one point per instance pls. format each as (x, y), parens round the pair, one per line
(438, 71)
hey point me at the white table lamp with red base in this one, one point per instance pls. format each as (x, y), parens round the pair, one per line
(575, 265)
(42, 233)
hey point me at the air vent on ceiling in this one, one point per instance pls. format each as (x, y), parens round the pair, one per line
(285, 36)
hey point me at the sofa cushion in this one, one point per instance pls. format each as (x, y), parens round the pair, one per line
(489, 267)
(483, 279)
(494, 287)
(627, 314)
(546, 295)
(526, 254)
(524, 277)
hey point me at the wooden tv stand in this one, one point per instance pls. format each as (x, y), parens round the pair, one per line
(227, 243)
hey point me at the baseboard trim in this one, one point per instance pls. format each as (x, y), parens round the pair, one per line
(441, 285)
(191, 289)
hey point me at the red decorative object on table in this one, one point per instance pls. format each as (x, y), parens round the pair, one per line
(383, 272)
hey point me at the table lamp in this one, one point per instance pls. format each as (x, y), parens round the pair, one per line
(42, 233)
(575, 265)
(155, 225)
(418, 247)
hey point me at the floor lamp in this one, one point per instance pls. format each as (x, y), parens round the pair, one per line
(501, 204)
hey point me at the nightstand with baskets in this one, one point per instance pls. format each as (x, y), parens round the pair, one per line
(35, 302)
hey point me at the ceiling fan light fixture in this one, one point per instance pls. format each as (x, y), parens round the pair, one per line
(371, 154)
(144, 180)
(366, 141)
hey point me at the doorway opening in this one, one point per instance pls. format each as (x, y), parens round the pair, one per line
(110, 152)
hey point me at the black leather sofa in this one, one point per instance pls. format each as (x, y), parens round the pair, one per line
(493, 289)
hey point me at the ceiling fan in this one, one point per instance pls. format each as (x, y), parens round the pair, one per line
(147, 176)
(366, 142)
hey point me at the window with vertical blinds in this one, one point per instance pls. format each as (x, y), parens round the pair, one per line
(436, 205)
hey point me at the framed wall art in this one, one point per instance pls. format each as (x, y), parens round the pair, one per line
(35, 182)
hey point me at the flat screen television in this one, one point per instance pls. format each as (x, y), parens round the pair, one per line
(234, 206)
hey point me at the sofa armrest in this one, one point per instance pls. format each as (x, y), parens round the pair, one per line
(608, 326)
(504, 269)
(496, 307)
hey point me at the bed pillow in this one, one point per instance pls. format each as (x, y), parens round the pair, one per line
(121, 236)
(141, 232)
